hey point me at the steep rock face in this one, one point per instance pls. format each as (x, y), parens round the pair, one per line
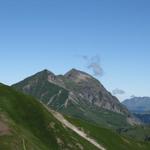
(91, 90)
(76, 93)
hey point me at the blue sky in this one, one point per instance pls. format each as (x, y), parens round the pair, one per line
(56, 34)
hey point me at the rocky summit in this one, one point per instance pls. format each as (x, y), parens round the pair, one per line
(78, 94)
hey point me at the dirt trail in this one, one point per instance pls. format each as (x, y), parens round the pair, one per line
(65, 122)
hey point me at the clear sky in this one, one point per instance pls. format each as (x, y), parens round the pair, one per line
(55, 34)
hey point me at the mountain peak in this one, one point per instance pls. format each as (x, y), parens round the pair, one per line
(46, 71)
(77, 75)
(48, 75)
(73, 89)
(41, 76)
(73, 70)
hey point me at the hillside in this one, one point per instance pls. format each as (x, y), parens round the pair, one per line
(77, 94)
(26, 124)
(109, 138)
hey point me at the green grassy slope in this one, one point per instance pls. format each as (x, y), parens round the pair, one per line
(138, 132)
(29, 126)
(107, 137)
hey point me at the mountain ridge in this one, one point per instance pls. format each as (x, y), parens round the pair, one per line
(76, 93)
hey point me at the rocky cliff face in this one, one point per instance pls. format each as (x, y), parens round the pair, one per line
(92, 91)
(76, 93)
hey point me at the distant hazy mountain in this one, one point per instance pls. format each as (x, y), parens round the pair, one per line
(140, 107)
(138, 104)
(78, 94)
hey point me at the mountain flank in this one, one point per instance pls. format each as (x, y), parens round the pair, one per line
(77, 94)
(26, 124)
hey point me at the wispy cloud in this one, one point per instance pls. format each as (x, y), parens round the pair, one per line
(93, 64)
(118, 92)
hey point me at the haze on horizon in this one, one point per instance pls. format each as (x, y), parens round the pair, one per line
(110, 36)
